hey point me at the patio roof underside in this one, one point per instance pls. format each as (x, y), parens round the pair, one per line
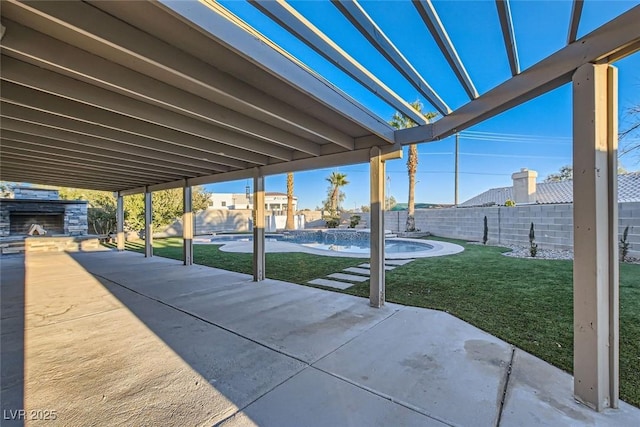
(128, 96)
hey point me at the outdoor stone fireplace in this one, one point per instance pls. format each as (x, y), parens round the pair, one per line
(43, 207)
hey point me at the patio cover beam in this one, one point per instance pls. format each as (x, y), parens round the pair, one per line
(508, 34)
(46, 127)
(613, 40)
(432, 21)
(30, 76)
(288, 18)
(353, 11)
(331, 160)
(574, 23)
(123, 129)
(96, 29)
(48, 53)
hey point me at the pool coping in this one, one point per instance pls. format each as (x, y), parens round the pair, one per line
(438, 248)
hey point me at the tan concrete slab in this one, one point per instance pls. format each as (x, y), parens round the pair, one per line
(330, 283)
(313, 398)
(542, 395)
(357, 270)
(138, 363)
(367, 265)
(349, 277)
(397, 261)
(429, 360)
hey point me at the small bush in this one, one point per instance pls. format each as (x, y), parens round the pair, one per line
(355, 220)
(509, 203)
(533, 246)
(485, 235)
(332, 222)
(624, 244)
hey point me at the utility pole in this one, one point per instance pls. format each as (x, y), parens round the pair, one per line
(455, 198)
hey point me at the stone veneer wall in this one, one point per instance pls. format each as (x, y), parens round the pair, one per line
(553, 224)
(75, 213)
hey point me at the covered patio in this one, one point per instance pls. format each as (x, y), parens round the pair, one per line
(112, 338)
(138, 97)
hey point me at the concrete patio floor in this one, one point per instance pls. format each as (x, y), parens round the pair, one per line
(109, 338)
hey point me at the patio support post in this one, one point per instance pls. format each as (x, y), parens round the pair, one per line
(377, 178)
(187, 225)
(120, 222)
(595, 222)
(148, 224)
(258, 227)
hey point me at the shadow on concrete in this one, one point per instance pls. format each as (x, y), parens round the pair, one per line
(12, 339)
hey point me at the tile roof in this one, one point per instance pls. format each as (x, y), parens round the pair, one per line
(557, 192)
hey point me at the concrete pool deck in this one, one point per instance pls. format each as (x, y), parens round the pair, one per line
(272, 246)
(110, 338)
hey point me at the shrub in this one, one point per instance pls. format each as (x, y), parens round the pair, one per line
(624, 244)
(485, 234)
(355, 220)
(509, 203)
(332, 222)
(533, 246)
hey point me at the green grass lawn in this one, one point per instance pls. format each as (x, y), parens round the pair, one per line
(528, 303)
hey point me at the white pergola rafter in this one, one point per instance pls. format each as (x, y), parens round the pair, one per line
(574, 23)
(290, 19)
(508, 34)
(353, 11)
(432, 21)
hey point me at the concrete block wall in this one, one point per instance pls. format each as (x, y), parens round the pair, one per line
(35, 193)
(553, 224)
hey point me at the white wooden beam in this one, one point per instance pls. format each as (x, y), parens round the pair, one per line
(595, 265)
(619, 37)
(355, 13)
(377, 182)
(126, 129)
(574, 23)
(259, 260)
(432, 20)
(288, 18)
(46, 52)
(28, 75)
(508, 34)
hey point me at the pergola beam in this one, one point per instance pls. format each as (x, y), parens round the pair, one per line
(621, 36)
(574, 23)
(28, 75)
(354, 12)
(36, 48)
(288, 18)
(38, 123)
(126, 126)
(91, 148)
(508, 34)
(432, 21)
(90, 28)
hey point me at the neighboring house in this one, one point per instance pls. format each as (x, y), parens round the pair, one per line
(273, 201)
(525, 190)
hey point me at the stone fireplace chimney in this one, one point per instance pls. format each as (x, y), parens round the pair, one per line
(524, 186)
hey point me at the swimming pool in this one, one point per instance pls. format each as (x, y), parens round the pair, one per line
(332, 243)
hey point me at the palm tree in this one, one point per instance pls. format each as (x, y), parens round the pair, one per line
(336, 181)
(290, 225)
(400, 121)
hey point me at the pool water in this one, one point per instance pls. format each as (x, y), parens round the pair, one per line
(392, 246)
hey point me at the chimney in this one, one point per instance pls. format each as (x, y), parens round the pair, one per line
(524, 186)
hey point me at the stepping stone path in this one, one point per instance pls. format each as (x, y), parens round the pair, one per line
(360, 273)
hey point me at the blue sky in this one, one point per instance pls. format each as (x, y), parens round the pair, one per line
(536, 135)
